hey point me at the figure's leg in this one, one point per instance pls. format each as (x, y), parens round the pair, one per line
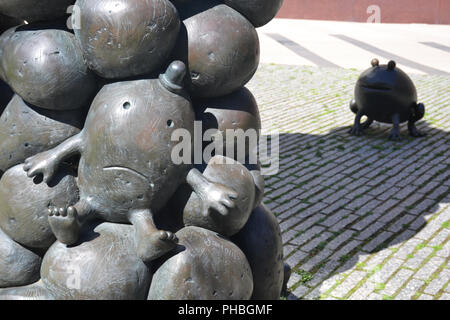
(67, 222)
(366, 124)
(419, 112)
(151, 242)
(395, 133)
(356, 130)
(46, 163)
(413, 131)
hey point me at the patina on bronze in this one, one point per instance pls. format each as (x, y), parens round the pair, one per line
(103, 265)
(6, 95)
(126, 171)
(385, 93)
(259, 12)
(220, 59)
(235, 111)
(26, 130)
(35, 10)
(261, 241)
(206, 266)
(46, 68)
(125, 38)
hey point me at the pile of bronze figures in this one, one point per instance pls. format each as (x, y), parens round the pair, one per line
(92, 205)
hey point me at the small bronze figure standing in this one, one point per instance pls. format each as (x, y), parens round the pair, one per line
(385, 93)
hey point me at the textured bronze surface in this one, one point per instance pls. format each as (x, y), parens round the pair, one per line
(236, 111)
(262, 244)
(124, 38)
(104, 262)
(46, 68)
(221, 59)
(6, 95)
(259, 12)
(35, 10)
(26, 130)
(18, 266)
(235, 176)
(206, 267)
(385, 93)
(24, 203)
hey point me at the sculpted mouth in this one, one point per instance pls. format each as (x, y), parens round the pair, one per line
(375, 87)
(126, 169)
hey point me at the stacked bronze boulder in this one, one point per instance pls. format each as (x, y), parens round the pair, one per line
(92, 204)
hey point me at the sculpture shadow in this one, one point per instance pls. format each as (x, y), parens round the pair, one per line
(307, 154)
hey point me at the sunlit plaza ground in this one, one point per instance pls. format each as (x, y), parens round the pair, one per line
(361, 217)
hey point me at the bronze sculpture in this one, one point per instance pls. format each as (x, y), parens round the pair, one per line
(26, 130)
(259, 12)
(386, 94)
(126, 38)
(88, 179)
(24, 228)
(220, 60)
(206, 266)
(46, 68)
(35, 10)
(122, 176)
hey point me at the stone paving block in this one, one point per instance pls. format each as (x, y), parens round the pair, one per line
(300, 291)
(410, 289)
(366, 221)
(315, 260)
(316, 241)
(363, 291)
(438, 283)
(419, 257)
(388, 269)
(385, 206)
(375, 296)
(349, 283)
(445, 296)
(440, 238)
(309, 222)
(396, 282)
(340, 239)
(344, 222)
(445, 252)
(402, 223)
(424, 296)
(391, 215)
(295, 259)
(307, 235)
(345, 250)
(288, 249)
(429, 268)
(377, 241)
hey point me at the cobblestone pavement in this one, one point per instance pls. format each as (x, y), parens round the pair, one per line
(361, 217)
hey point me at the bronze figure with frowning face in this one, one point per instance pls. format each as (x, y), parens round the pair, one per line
(386, 94)
(126, 172)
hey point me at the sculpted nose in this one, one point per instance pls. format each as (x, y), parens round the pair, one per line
(173, 78)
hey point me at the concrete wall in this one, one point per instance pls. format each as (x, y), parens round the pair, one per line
(392, 11)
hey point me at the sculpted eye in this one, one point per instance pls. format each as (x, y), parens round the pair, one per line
(170, 123)
(126, 105)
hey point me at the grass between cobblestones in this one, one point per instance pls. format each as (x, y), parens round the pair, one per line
(361, 217)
